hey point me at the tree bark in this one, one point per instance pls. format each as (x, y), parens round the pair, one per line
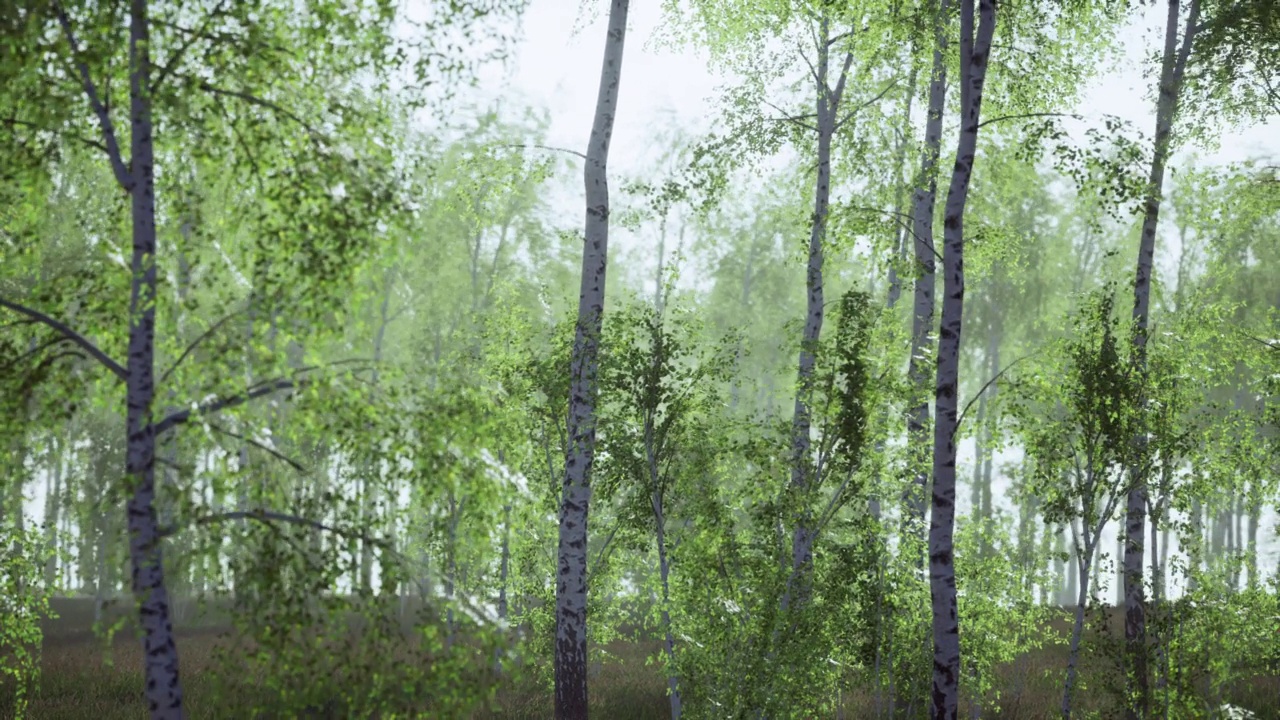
(923, 285)
(803, 477)
(160, 653)
(977, 26)
(571, 587)
(1173, 64)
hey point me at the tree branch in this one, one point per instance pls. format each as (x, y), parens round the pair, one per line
(191, 40)
(203, 336)
(988, 384)
(265, 388)
(544, 147)
(269, 516)
(797, 120)
(75, 337)
(1022, 116)
(82, 140)
(864, 105)
(104, 118)
(261, 446)
(255, 100)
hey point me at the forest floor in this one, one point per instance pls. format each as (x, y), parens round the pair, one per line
(81, 681)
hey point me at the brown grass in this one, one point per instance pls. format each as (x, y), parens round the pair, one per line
(78, 684)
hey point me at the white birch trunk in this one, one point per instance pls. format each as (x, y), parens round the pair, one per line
(571, 585)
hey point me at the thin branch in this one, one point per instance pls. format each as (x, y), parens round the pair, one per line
(182, 51)
(204, 336)
(255, 100)
(794, 119)
(71, 335)
(104, 118)
(261, 446)
(812, 70)
(1023, 116)
(543, 147)
(269, 516)
(265, 388)
(994, 378)
(864, 105)
(78, 138)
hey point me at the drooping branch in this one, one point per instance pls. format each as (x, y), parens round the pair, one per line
(91, 91)
(270, 516)
(260, 102)
(543, 147)
(261, 446)
(259, 390)
(988, 384)
(75, 337)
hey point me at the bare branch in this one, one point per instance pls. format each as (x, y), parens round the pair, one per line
(91, 91)
(75, 337)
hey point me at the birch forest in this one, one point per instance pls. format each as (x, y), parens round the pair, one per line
(907, 379)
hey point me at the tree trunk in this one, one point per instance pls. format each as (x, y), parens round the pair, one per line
(160, 654)
(664, 570)
(976, 29)
(1077, 630)
(923, 285)
(803, 477)
(1173, 64)
(571, 587)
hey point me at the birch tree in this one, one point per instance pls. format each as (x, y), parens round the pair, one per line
(571, 582)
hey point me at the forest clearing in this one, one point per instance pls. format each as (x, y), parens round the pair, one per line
(691, 359)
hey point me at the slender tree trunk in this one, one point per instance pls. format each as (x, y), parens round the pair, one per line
(1173, 64)
(976, 28)
(1077, 631)
(923, 285)
(803, 475)
(53, 510)
(571, 585)
(664, 571)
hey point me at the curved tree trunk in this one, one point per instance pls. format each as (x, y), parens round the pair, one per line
(571, 585)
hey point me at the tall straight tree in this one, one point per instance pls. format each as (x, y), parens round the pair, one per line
(571, 585)
(977, 26)
(1173, 65)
